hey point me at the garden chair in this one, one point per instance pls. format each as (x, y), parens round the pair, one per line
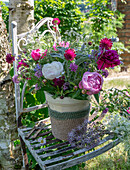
(55, 153)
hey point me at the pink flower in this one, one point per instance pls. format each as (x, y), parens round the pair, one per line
(36, 54)
(127, 94)
(106, 44)
(45, 52)
(15, 79)
(54, 46)
(56, 21)
(9, 58)
(63, 44)
(128, 110)
(70, 54)
(92, 82)
(109, 58)
(22, 63)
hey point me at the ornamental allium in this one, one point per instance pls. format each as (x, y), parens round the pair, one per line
(73, 67)
(109, 58)
(70, 54)
(36, 54)
(106, 44)
(15, 79)
(56, 21)
(9, 58)
(92, 82)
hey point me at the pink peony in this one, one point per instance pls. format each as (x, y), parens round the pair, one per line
(106, 44)
(92, 82)
(56, 21)
(36, 54)
(9, 58)
(70, 54)
(109, 58)
(15, 79)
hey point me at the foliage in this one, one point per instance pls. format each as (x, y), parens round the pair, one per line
(5, 14)
(67, 11)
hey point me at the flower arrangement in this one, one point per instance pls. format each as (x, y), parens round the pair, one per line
(67, 69)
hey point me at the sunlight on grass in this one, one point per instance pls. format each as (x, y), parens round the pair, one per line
(117, 83)
(114, 159)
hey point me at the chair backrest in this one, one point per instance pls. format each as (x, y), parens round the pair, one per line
(16, 48)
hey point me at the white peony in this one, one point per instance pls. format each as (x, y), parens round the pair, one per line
(52, 70)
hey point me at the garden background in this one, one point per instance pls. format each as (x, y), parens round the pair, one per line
(99, 18)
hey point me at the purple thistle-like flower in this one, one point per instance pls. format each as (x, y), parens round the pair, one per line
(105, 72)
(66, 86)
(15, 79)
(73, 67)
(105, 111)
(38, 74)
(37, 87)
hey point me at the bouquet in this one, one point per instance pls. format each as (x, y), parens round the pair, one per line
(74, 69)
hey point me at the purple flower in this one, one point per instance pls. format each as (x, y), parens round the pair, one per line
(59, 81)
(109, 58)
(73, 67)
(105, 72)
(15, 79)
(37, 87)
(66, 86)
(38, 74)
(9, 58)
(105, 111)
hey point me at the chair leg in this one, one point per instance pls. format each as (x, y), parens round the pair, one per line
(24, 154)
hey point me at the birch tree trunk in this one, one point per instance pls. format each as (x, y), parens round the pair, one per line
(22, 12)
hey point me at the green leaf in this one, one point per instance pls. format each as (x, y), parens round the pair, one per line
(40, 96)
(97, 97)
(30, 99)
(11, 72)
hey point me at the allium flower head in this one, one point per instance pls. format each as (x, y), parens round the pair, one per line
(9, 58)
(73, 67)
(56, 21)
(106, 44)
(70, 54)
(109, 58)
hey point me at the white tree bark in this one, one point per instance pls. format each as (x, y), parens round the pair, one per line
(22, 12)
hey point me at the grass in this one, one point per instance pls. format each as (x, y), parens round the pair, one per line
(114, 159)
(117, 83)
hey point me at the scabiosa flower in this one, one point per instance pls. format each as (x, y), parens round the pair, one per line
(70, 54)
(106, 44)
(66, 86)
(59, 81)
(56, 21)
(109, 58)
(37, 87)
(15, 79)
(9, 58)
(73, 67)
(105, 73)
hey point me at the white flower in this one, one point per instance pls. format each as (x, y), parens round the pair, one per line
(52, 70)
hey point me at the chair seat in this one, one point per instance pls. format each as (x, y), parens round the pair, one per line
(52, 153)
